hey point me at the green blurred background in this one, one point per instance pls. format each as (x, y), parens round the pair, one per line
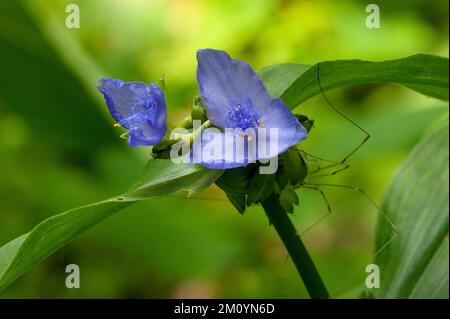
(58, 148)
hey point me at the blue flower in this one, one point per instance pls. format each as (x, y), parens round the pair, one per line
(235, 97)
(137, 106)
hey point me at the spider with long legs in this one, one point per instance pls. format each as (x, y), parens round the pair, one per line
(331, 168)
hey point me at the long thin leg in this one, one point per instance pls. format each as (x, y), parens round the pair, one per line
(327, 203)
(344, 160)
(317, 160)
(369, 260)
(361, 191)
(394, 228)
(311, 158)
(314, 174)
(317, 222)
(302, 151)
(343, 116)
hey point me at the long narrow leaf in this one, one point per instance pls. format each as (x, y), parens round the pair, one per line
(426, 74)
(418, 204)
(160, 178)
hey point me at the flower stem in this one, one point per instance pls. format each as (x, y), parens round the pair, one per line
(305, 266)
(197, 132)
(186, 123)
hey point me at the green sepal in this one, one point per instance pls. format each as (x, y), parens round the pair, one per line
(238, 201)
(234, 182)
(162, 149)
(161, 83)
(281, 176)
(294, 166)
(289, 199)
(198, 110)
(260, 187)
(307, 123)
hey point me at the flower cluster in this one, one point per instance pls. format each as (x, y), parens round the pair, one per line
(138, 107)
(233, 97)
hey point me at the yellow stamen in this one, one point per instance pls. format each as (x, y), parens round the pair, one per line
(261, 124)
(117, 125)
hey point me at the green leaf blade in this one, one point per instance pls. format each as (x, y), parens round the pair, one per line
(50, 235)
(418, 204)
(426, 74)
(160, 178)
(164, 178)
(278, 77)
(434, 282)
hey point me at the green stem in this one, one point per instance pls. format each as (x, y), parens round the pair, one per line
(199, 130)
(291, 240)
(186, 123)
